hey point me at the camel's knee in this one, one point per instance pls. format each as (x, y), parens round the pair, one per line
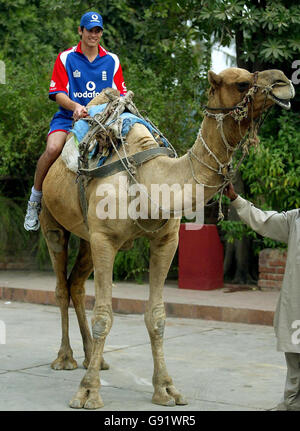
(62, 294)
(102, 321)
(77, 292)
(55, 239)
(155, 319)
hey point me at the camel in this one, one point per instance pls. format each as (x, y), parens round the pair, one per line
(236, 99)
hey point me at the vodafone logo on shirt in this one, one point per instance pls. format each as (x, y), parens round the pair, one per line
(89, 93)
(90, 86)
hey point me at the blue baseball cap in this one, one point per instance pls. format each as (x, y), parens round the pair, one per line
(90, 20)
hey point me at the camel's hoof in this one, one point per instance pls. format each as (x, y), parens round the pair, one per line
(164, 401)
(64, 363)
(103, 366)
(75, 403)
(181, 401)
(94, 402)
(168, 396)
(78, 401)
(88, 399)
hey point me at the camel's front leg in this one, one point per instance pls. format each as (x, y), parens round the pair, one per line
(80, 272)
(162, 252)
(103, 254)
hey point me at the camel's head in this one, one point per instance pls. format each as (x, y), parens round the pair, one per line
(230, 87)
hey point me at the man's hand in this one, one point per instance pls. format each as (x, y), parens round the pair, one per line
(230, 193)
(79, 112)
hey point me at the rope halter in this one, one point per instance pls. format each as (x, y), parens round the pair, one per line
(238, 112)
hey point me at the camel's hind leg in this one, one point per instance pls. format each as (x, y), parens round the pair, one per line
(162, 252)
(57, 241)
(82, 269)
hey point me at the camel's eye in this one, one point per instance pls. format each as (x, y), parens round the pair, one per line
(243, 86)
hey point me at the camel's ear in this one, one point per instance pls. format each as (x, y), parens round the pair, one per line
(214, 79)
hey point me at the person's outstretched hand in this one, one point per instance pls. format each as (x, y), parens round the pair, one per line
(230, 192)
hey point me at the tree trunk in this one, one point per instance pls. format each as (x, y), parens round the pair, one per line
(238, 257)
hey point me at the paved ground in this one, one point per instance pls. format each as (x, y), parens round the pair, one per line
(245, 306)
(216, 365)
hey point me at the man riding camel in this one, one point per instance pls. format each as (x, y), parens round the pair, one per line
(79, 74)
(283, 227)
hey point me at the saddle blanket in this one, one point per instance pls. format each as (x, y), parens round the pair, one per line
(70, 152)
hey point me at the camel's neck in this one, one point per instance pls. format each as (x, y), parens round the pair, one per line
(208, 153)
(221, 143)
(188, 169)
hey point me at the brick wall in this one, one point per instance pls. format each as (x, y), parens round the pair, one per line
(271, 268)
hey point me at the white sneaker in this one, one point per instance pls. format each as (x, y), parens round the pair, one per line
(32, 216)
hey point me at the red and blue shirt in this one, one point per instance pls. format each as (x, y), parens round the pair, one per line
(82, 80)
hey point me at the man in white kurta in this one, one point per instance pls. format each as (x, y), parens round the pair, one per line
(283, 227)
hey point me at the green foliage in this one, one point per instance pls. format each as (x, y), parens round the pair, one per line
(175, 112)
(13, 237)
(273, 169)
(25, 106)
(237, 230)
(134, 263)
(33, 31)
(268, 29)
(42, 253)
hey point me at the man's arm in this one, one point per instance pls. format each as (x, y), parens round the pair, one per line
(63, 100)
(58, 90)
(267, 223)
(118, 80)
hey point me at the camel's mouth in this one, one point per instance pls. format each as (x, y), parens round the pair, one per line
(284, 92)
(284, 103)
